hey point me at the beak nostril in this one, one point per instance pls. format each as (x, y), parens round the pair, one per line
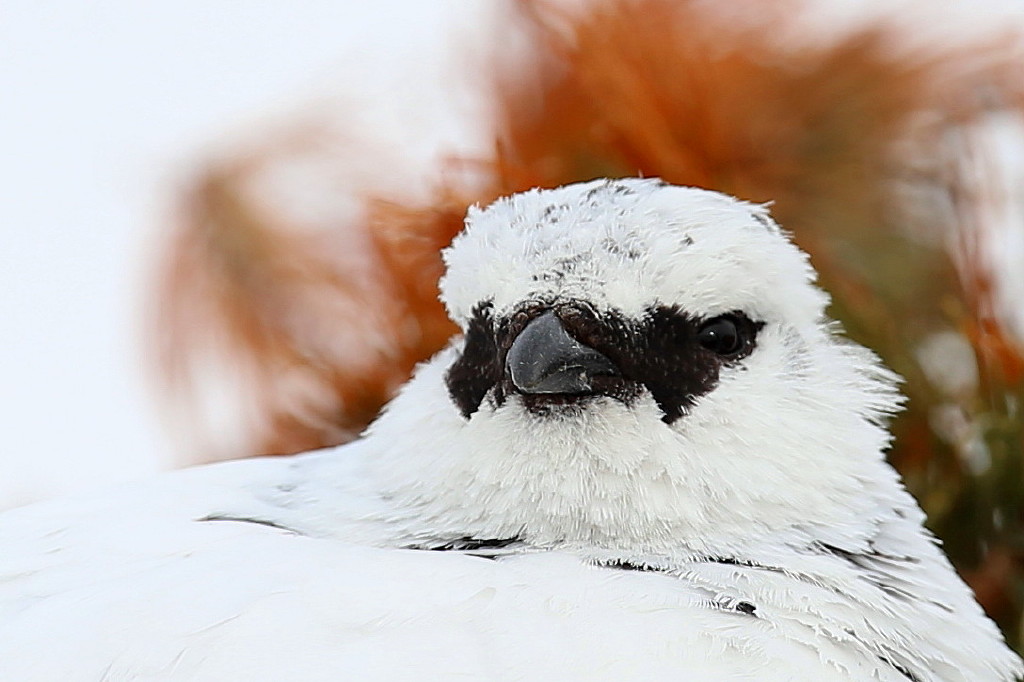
(544, 358)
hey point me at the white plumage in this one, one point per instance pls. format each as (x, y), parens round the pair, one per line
(686, 481)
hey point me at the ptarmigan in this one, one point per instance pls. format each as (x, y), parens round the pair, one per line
(649, 456)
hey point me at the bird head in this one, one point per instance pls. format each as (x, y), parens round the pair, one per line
(642, 365)
(619, 290)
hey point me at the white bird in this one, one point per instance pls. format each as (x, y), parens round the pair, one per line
(649, 456)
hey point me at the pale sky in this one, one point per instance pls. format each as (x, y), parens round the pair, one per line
(104, 107)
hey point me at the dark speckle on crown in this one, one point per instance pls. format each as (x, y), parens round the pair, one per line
(615, 248)
(553, 212)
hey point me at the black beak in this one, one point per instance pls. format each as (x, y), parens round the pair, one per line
(545, 359)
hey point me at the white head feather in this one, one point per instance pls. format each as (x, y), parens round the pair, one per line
(787, 446)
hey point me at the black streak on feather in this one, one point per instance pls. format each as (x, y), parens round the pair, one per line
(630, 566)
(744, 607)
(900, 669)
(470, 544)
(241, 519)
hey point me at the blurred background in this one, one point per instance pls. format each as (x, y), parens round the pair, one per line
(222, 227)
(109, 112)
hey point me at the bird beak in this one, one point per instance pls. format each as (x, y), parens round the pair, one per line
(544, 358)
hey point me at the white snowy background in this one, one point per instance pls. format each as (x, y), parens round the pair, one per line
(104, 108)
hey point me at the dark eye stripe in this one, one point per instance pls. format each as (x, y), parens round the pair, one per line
(673, 364)
(478, 369)
(661, 352)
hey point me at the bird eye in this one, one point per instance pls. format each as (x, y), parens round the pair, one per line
(721, 335)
